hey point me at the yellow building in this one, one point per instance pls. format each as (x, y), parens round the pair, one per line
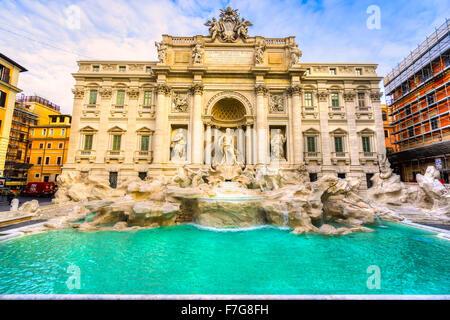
(28, 112)
(9, 76)
(388, 129)
(48, 147)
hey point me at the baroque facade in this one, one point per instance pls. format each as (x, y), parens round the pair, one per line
(225, 98)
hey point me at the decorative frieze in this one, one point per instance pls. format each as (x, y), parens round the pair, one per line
(109, 67)
(180, 102)
(277, 103)
(376, 95)
(322, 96)
(349, 96)
(136, 67)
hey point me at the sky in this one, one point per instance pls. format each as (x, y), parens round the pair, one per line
(49, 37)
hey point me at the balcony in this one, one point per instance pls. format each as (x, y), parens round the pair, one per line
(85, 155)
(365, 112)
(118, 155)
(340, 156)
(312, 157)
(368, 156)
(143, 156)
(310, 112)
(91, 111)
(146, 111)
(119, 110)
(336, 112)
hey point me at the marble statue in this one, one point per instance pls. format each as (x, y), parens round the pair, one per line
(162, 51)
(178, 145)
(226, 145)
(197, 53)
(295, 54)
(277, 145)
(230, 27)
(259, 52)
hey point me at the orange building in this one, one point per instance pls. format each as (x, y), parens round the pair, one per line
(417, 92)
(48, 147)
(388, 129)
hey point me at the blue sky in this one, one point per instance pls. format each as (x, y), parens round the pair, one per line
(42, 36)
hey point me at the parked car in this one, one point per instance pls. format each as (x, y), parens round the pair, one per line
(39, 189)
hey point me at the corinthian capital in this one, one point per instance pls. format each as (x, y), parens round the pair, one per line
(163, 89)
(295, 89)
(349, 96)
(197, 88)
(78, 93)
(323, 95)
(261, 89)
(376, 95)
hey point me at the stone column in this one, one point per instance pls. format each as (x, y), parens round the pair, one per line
(377, 115)
(197, 126)
(297, 124)
(208, 144)
(322, 104)
(261, 126)
(241, 142)
(248, 144)
(74, 140)
(353, 141)
(161, 123)
(290, 146)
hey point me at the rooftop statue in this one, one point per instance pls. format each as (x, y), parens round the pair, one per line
(230, 27)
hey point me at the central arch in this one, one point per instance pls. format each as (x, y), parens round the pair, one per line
(229, 109)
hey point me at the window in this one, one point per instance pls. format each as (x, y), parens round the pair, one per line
(49, 145)
(116, 142)
(47, 160)
(434, 123)
(333, 71)
(147, 98)
(96, 68)
(4, 73)
(58, 160)
(36, 175)
(341, 175)
(313, 177)
(386, 134)
(411, 132)
(430, 99)
(21, 137)
(88, 142)
(142, 175)
(60, 145)
(311, 144)
(19, 155)
(50, 132)
(63, 132)
(308, 99)
(384, 115)
(335, 99)
(122, 68)
(358, 71)
(148, 69)
(44, 132)
(120, 98)
(93, 97)
(28, 159)
(41, 146)
(338, 144)
(408, 110)
(366, 144)
(39, 160)
(113, 179)
(361, 99)
(308, 72)
(53, 119)
(32, 132)
(145, 143)
(46, 178)
(2, 99)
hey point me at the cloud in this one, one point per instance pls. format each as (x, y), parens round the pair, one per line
(40, 34)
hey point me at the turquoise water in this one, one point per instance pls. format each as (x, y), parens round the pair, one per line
(188, 260)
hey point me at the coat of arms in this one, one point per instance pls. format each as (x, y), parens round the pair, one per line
(230, 26)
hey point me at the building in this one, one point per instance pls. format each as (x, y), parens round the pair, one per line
(28, 112)
(48, 148)
(418, 99)
(133, 118)
(9, 77)
(388, 129)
